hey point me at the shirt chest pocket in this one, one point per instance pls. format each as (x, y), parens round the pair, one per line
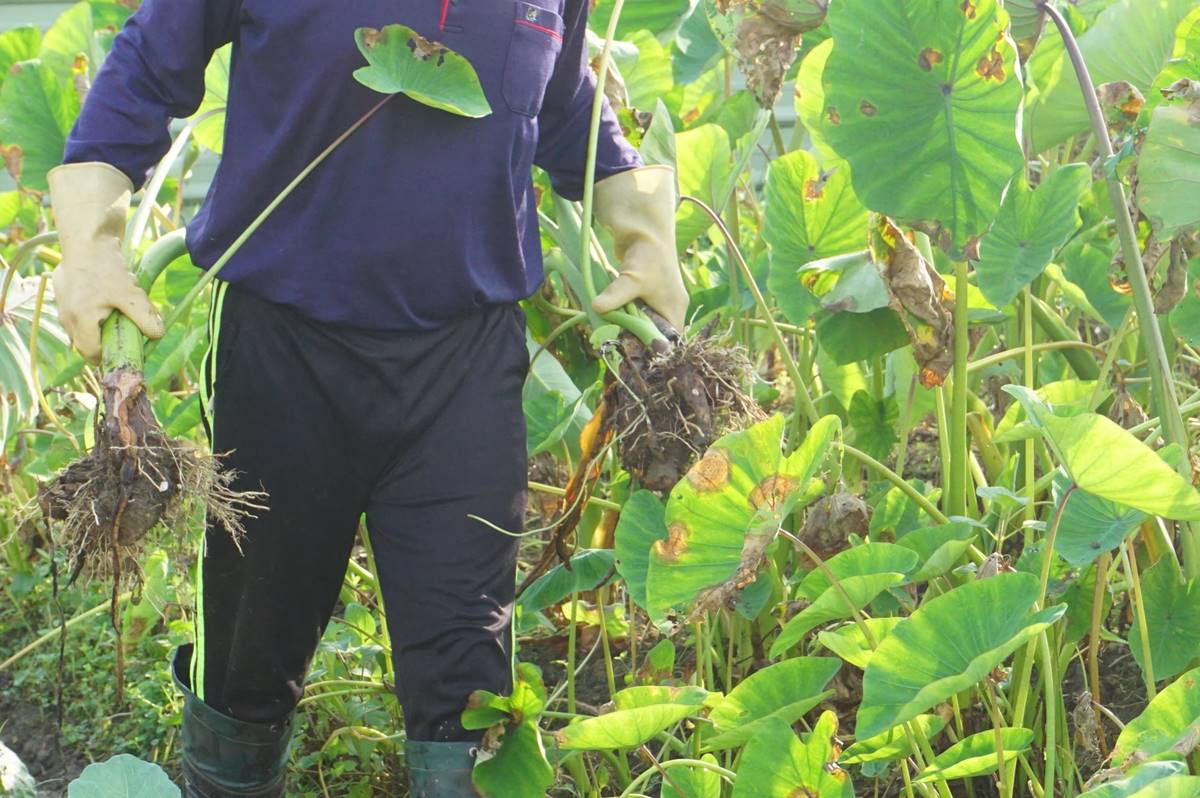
(536, 41)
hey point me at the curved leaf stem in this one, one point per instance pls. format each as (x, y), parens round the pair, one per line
(1010, 354)
(34, 327)
(956, 487)
(1160, 366)
(802, 394)
(645, 775)
(1139, 605)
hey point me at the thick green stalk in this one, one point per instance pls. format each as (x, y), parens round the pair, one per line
(957, 484)
(1030, 376)
(1159, 365)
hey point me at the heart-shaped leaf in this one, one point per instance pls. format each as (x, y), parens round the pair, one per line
(937, 81)
(775, 764)
(1169, 168)
(785, 690)
(950, 643)
(892, 744)
(1031, 226)
(1172, 719)
(402, 61)
(122, 776)
(1172, 607)
(975, 755)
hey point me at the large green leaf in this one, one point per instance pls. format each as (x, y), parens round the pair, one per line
(640, 526)
(938, 83)
(648, 75)
(1031, 226)
(722, 515)
(861, 560)
(122, 776)
(810, 214)
(775, 764)
(785, 690)
(856, 592)
(1172, 718)
(940, 547)
(1130, 40)
(629, 728)
(892, 744)
(401, 61)
(18, 44)
(810, 99)
(1172, 607)
(1169, 168)
(37, 110)
(1089, 525)
(1106, 460)
(660, 17)
(210, 131)
(975, 755)
(851, 337)
(703, 164)
(590, 568)
(693, 782)
(850, 642)
(950, 643)
(519, 767)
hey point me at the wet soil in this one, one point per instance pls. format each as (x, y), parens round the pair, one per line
(31, 732)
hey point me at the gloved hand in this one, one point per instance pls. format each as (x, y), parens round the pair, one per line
(638, 208)
(91, 202)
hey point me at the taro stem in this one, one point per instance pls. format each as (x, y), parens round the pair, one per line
(1160, 367)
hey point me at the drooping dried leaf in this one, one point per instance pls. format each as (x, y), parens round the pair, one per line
(919, 296)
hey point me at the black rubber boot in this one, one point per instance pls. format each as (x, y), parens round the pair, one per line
(440, 770)
(224, 757)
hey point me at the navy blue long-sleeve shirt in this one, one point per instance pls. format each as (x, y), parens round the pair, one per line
(421, 215)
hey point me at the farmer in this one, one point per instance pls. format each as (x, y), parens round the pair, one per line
(366, 354)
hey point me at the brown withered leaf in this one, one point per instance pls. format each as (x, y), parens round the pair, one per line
(919, 297)
(1183, 89)
(765, 51)
(832, 520)
(1173, 287)
(1121, 101)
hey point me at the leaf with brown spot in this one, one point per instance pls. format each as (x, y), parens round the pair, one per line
(669, 550)
(402, 61)
(710, 472)
(968, 9)
(834, 117)
(991, 66)
(928, 58)
(867, 108)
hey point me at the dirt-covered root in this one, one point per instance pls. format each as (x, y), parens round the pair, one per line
(673, 400)
(135, 478)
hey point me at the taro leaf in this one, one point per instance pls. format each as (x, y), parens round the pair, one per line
(1086, 261)
(518, 767)
(856, 592)
(547, 375)
(810, 100)
(1130, 40)
(729, 507)
(975, 755)
(590, 569)
(1140, 777)
(122, 776)
(693, 782)
(210, 132)
(1014, 425)
(775, 764)
(660, 17)
(892, 744)
(785, 690)
(1169, 168)
(1090, 525)
(868, 558)
(851, 337)
(1031, 226)
(950, 643)
(1172, 720)
(648, 695)
(648, 75)
(936, 81)
(1099, 456)
(18, 44)
(640, 527)
(874, 423)
(1027, 22)
(849, 642)
(859, 289)
(37, 110)
(939, 548)
(705, 172)
(811, 214)
(72, 35)
(18, 406)
(629, 728)
(1171, 787)
(1172, 606)
(404, 62)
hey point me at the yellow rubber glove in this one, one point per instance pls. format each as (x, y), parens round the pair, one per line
(91, 203)
(638, 208)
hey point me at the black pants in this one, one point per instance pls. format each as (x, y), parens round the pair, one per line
(418, 430)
